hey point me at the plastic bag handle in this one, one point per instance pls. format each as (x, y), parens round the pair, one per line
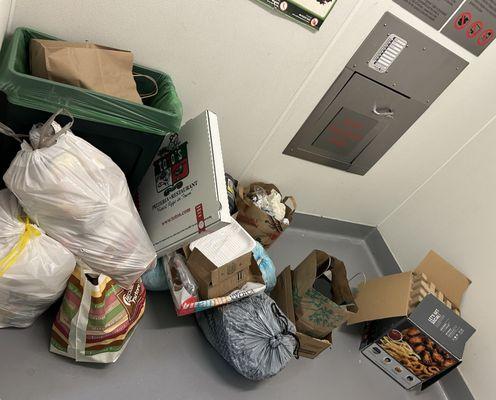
(30, 232)
(47, 135)
(293, 203)
(151, 94)
(4, 129)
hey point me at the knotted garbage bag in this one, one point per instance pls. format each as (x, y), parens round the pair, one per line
(80, 197)
(33, 267)
(252, 335)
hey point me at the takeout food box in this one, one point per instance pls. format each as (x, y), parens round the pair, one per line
(414, 331)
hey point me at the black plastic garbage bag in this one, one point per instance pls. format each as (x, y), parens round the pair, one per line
(252, 335)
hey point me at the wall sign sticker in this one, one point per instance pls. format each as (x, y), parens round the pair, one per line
(473, 25)
(309, 12)
(433, 12)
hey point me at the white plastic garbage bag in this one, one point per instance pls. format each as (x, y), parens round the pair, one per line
(34, 268)
(80, 197)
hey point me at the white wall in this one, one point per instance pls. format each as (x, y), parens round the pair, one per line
(4, 17)
(263, 73)
(442, 130)
(454, 213)
(235, 57)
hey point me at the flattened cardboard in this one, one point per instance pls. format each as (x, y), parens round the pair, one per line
(183, 194)
(389, 296)
(445, 276)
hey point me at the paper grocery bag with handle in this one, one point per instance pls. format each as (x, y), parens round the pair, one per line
(97, 317)
(263, 227)
(317, 314)
(87, 65)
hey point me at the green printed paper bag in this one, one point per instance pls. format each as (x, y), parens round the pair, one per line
(316, 314)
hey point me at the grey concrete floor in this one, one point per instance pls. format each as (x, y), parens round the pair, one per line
(169, 359)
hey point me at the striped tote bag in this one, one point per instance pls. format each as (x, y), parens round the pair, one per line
(97, 318)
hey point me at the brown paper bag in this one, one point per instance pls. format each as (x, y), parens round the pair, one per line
(316, 314)
(261, 226)
(86, 65)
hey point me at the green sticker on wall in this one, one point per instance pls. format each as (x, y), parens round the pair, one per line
(309, 12)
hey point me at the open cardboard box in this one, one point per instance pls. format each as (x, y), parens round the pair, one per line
(415, 340)
(391, 295)
(185, 303)
(216, 281)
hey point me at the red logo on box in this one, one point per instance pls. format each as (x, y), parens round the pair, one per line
(200, 218)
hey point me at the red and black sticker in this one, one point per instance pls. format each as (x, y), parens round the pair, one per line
(462, 21)
(485, 37)
(474, 29)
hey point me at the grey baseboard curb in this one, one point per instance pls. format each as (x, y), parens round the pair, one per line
(453, 384)
(455, 387)
(381, 253)
(369, 234)
(327, 225)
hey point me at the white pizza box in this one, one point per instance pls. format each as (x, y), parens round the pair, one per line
(183, 195)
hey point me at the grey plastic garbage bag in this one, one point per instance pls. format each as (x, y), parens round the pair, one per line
(252, 335)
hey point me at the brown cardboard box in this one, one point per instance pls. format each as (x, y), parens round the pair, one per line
(216, 281)
(414, 332)
(391, 296)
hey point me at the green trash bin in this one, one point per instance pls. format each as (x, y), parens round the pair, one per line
(128, 132)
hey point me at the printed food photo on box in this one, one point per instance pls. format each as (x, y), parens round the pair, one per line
(416, 352)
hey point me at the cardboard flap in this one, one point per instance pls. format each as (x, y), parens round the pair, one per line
(254, 272)
(200, 266)
(305, 273)
(451, 282)
(283, 294)
(384, 297)
(311, 347)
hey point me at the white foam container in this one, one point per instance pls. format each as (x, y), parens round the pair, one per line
(225, 244)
